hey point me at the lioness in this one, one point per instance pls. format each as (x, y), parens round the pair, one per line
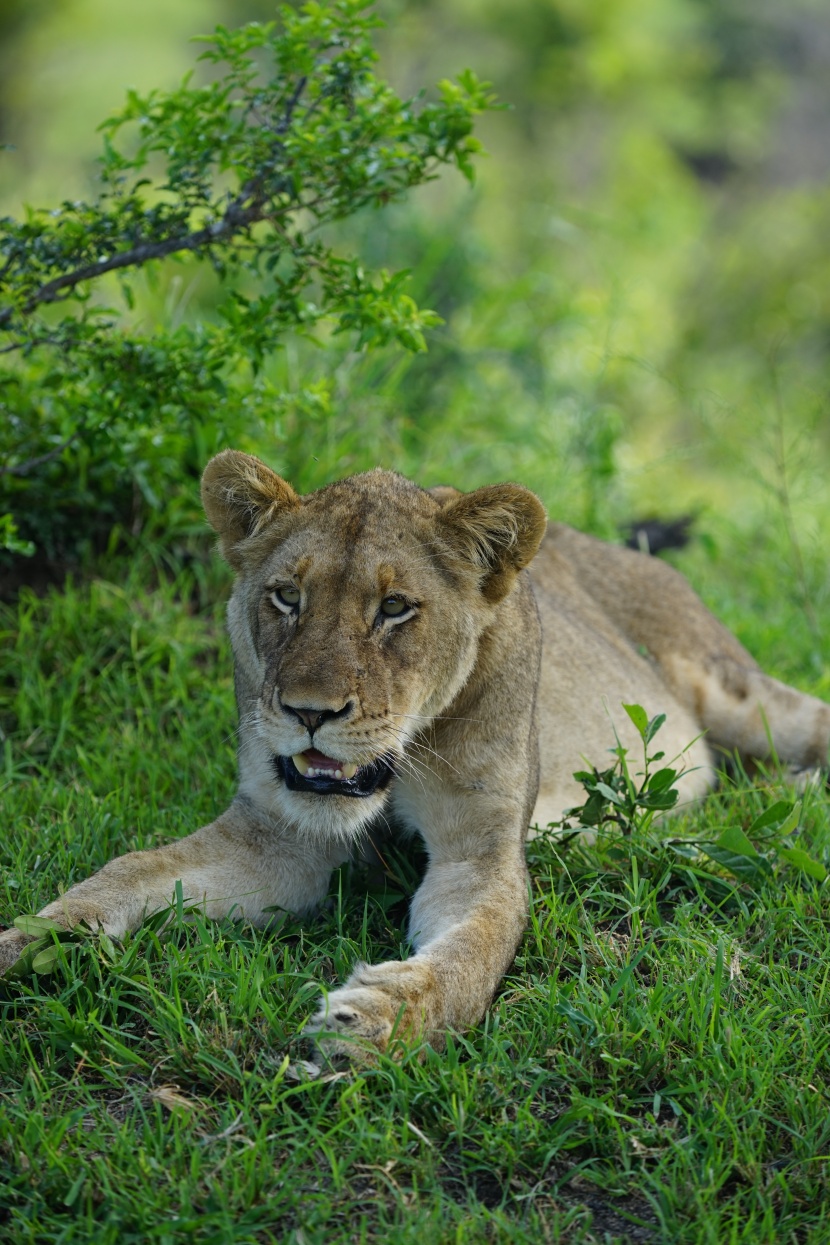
(394, 659)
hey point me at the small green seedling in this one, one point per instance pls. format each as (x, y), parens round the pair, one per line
(615, 798)
(621, 805)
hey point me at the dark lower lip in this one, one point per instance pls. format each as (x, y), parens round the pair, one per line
(367, 780)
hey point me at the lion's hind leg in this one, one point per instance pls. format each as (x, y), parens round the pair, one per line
(746, 711)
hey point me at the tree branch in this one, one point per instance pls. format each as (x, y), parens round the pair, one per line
(23, 469)
(234, 220)
(249, 207)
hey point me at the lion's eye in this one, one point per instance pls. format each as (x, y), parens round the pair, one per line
(393, 606)
(286, 599)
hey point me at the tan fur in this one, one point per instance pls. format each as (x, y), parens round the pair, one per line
(496, 666)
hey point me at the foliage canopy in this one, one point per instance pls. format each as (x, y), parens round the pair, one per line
(293, 132)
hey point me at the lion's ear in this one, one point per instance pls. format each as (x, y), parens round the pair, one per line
(498, 529)
(240, 496)
(442, 493)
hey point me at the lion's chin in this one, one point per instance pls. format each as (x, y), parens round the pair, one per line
(366, 780)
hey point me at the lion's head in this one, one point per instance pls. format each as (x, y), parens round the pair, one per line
(355, 619)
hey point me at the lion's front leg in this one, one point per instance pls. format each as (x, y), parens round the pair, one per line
(466, 922)
(234, 866)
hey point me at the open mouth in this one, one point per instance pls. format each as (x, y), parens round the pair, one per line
(313, 771)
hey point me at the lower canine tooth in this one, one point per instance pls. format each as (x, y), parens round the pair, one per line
(349, 770)
(301, 763)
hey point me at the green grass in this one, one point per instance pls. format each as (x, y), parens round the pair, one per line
(654, 1068)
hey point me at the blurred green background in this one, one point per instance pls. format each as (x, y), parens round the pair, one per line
(635, 293)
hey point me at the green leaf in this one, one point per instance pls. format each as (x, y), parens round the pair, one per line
(661, 779)
(772, 816)
(610, 795)
(745, 868)
(689, 850)
(654, 726)
(789, 824)
(800, 860)
(45, 961)
(659, 799)
(733, 839)
(36, 925)
(734, 852)
(639, 717)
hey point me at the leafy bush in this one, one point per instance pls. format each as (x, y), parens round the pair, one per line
(103, 415)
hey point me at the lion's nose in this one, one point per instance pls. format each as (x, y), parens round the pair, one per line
(314, 717)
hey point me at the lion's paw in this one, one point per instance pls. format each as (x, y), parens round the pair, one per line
(375, 1005)
(352, 1024)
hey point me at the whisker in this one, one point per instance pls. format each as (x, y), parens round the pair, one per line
(436, 717)
(410, 769)
(414, 743)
